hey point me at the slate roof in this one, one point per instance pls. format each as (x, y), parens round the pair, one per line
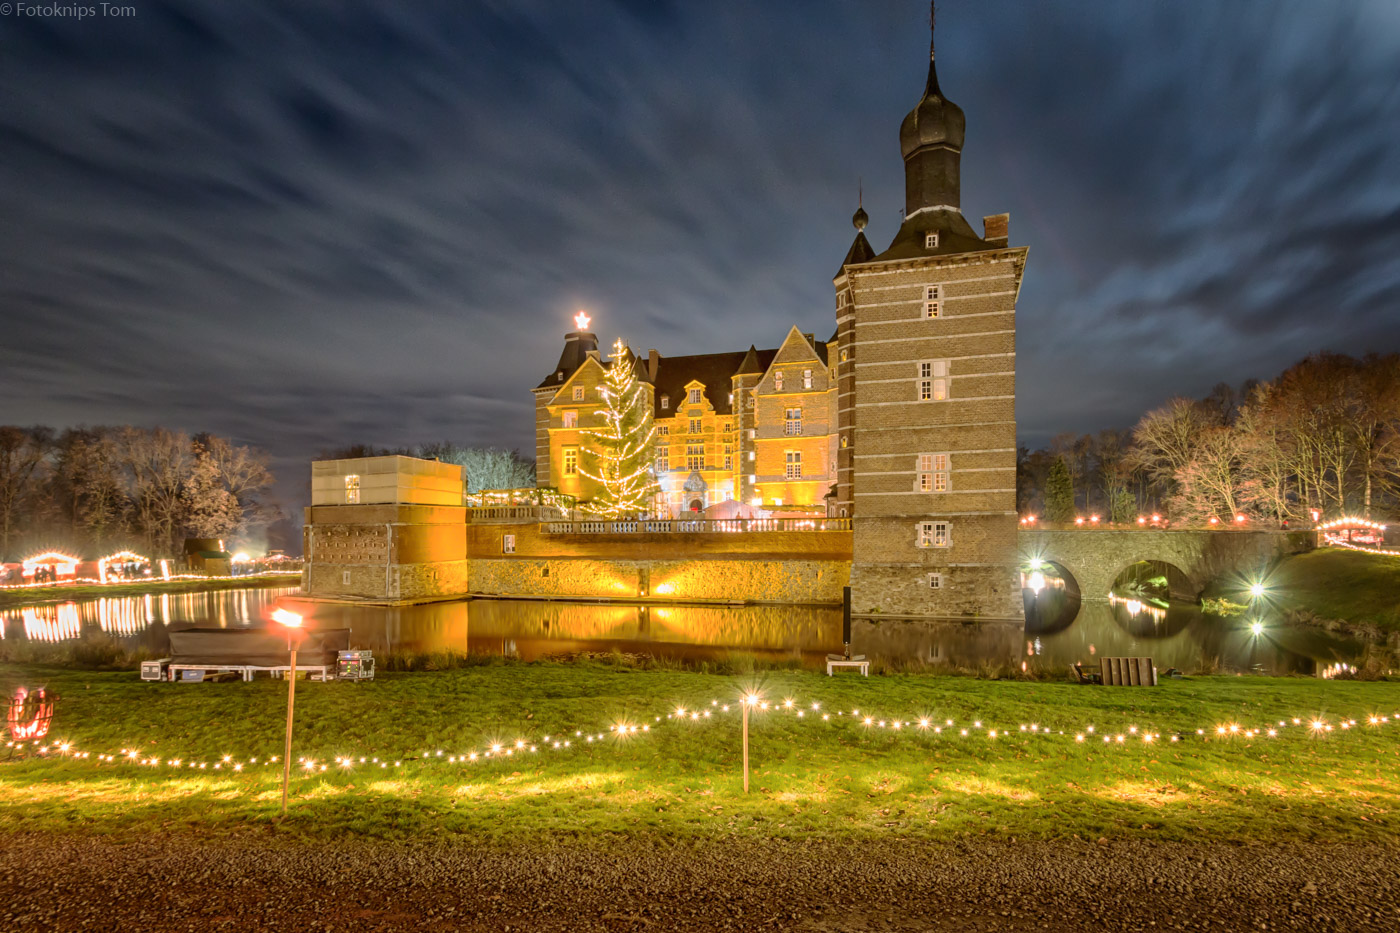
(715, 370)
(955, 235)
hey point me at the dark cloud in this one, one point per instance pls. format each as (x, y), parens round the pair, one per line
(311, 224)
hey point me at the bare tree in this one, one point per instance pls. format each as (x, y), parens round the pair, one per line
(157, 463)
(22, 455)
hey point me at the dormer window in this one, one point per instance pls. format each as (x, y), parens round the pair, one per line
(578, 393)
(695, 396)
(665, 402)
(931, 240)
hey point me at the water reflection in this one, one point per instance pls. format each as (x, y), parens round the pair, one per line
(1058, 631)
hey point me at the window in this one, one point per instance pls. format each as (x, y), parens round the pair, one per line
(728, 457)
(935, 581)
(664, 430)
(792, 422)
(934, 534)
(695, 396)
(751, 433)
(731, 399)
(696, 425)
(751, 392)
(507, 544)
(756, 501)
(933, 472)
(695, 456)
(806, 378)
(842, 299)
(932, 293)
(794, 464)
(570, 419)
(570, 461)
(728, 426)
(663, 459)
(844, 356)
(578, 393)
(933, 381)
(778, 381)
(352, 489)
(931, 240)
(665, 402)
(753, 455)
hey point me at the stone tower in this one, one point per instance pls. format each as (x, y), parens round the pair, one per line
(926, 337)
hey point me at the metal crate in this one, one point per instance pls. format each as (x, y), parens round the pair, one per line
(354, 665)
(155, 670)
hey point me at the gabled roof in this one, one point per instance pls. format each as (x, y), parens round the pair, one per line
(713, 370)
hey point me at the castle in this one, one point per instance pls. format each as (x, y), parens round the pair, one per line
(904, 421)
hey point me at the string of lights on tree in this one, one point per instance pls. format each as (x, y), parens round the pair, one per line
(926, 727)
(619, 456)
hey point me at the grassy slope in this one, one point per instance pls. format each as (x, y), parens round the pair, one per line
(35, 595)
(810, 778)
(1336, 583)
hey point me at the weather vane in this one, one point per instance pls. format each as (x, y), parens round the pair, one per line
(581, 320)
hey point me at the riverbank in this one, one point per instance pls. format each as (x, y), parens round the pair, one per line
(76, 882)
(823, 775)
(12, 597)
(1337, 584)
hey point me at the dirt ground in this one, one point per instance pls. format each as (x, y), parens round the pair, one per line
(78, 883)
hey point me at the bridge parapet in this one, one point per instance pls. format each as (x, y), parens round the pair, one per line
(1095, 557)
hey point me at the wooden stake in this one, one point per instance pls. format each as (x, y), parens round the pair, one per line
(746, 745)
(291, 700)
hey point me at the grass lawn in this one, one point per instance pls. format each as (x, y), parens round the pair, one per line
(1335, 583)
(34, 595)
(812, 777)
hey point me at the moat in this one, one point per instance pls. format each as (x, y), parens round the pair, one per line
(1056, 634)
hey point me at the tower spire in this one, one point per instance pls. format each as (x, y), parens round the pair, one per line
(932, 14)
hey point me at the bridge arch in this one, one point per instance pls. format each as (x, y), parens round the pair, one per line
(1096, 557)
(1050, 593)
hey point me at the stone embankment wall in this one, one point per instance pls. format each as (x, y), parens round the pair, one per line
(780, 566)
(398, 553)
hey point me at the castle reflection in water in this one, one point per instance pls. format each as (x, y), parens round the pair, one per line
(1057, 632)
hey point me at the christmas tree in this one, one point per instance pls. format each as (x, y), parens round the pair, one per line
(618, 456)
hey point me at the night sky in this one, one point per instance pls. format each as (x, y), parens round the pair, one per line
(305, 224)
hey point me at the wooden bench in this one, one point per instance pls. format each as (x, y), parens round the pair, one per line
(862, 665)
(1128, 672)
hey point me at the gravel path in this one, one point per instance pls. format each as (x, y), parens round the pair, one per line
(80, 883)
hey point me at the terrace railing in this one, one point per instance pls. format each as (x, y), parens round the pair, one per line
(695, 526)
(515, 513)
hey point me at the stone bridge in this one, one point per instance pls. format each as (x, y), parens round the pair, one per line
(1095, 557)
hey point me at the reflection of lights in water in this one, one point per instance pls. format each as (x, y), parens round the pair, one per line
(1336, 670)
(52, 623)
(1036, 582)
(1256, 628)
(1137, 607)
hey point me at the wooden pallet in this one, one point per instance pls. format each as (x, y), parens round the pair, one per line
(1128, 672)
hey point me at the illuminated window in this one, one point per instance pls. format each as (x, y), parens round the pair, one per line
(570, 461)
(695, 396)
(844, 356)
(933, 534)
(933, 381)
(756, 501)
(792, 422)
(933, 472)
(665, 402)
(728, 457)
(663, 429)
(570, 419)
(778, 381)
(935, 581)
(932, 294)
(663, 459)
(352, 489)
(750, 400)
(507, 544)
(695, 456)
(696, 425)
(752, 455)
(794, 464)
(806, 378)
(731, 399)
(931, 240)
(578, 393)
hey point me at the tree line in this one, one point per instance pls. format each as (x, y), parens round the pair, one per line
(1323, 437)
(486, 467)
(93, 490)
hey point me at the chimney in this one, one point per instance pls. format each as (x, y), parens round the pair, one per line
(997, 227)
(653, 363)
